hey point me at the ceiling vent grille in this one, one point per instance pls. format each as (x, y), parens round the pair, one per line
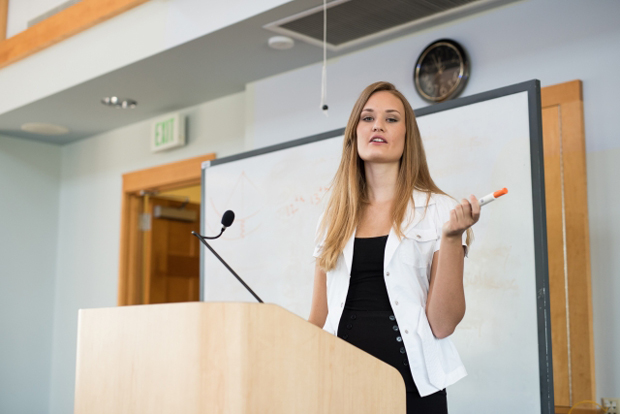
(350, 22)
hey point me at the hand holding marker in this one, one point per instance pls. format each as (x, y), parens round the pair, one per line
(491, 197)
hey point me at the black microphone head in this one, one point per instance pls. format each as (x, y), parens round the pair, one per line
(228, 218)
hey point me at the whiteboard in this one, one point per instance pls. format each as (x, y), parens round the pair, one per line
(474, 145)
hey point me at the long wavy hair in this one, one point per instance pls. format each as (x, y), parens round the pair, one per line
(349, 189)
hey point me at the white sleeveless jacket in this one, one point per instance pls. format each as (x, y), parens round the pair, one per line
(434, 363)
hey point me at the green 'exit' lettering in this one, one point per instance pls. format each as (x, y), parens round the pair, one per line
(164, 132)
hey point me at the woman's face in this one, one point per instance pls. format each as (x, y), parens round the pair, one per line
(381, 129)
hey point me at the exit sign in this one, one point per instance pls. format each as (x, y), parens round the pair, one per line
(168, 132)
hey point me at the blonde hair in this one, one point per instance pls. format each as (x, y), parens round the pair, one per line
(349, 190)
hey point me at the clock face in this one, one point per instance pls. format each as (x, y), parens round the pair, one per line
(441, 71)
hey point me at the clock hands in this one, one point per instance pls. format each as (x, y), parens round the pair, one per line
(441, 71)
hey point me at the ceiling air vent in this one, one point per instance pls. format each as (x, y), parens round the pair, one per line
(350, 22)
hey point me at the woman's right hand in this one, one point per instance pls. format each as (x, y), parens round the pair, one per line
(462, 217)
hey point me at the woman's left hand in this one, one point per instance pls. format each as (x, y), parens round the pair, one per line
(462, 217)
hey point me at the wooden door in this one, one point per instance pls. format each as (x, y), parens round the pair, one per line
(171, 252)
(180, 174)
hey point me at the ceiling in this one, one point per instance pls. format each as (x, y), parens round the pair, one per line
(215, 65)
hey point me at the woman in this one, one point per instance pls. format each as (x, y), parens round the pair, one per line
(389, 269)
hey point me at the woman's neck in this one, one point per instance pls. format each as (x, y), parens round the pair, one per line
(381, 179)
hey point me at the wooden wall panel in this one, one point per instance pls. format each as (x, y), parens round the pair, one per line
(561, 94)
(568, 244)
(578, 252)
(555, 248)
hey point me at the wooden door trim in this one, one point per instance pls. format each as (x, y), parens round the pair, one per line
(572, 318)
(161, 178)
(60, 26)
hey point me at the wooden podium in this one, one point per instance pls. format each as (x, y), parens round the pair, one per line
(221, 358)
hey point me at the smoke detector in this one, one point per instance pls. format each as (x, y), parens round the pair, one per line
(281, 42)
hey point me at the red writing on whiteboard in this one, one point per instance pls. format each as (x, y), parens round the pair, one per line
(300, 200)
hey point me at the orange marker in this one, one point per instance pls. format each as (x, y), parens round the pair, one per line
(491, 197)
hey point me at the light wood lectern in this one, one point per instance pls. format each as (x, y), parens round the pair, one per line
(221, 358)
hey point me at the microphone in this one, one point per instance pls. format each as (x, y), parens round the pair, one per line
(227, 220)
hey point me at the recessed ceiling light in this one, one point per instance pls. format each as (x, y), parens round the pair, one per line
(116, 102)
(281, 42)
(42, 128)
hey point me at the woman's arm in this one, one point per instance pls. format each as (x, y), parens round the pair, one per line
(445, 304)
(318, 311)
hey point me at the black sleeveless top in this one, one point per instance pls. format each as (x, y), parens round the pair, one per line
(367, 289)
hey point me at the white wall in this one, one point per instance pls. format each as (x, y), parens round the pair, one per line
(553, 41)
(29, 188)
(152, 27)
(603, 199)
(90, 211)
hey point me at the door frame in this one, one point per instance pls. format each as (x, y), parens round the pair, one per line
(165, 177)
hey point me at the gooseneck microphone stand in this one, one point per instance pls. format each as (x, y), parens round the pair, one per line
(226, 221)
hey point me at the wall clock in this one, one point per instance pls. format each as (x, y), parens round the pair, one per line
(441, 71)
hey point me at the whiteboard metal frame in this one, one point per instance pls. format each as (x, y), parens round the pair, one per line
(532, 88)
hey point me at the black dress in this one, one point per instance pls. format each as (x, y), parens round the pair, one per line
(368, 322)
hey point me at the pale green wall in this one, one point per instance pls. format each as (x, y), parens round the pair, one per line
(29, 196)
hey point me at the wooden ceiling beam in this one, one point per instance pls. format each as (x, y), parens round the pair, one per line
(4, 13)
